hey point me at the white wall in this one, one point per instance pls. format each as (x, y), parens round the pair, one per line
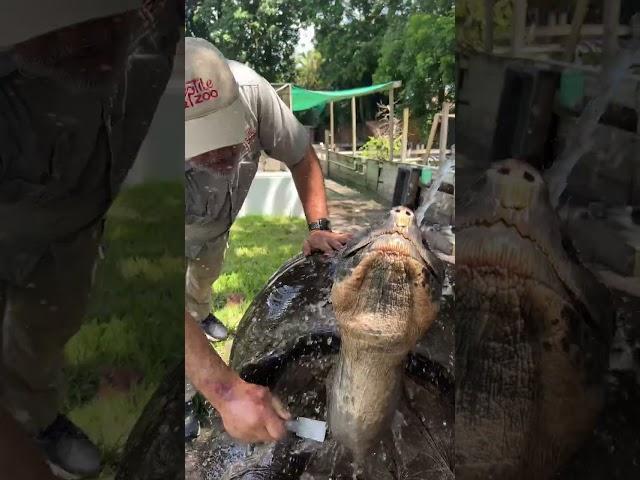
(272, 193)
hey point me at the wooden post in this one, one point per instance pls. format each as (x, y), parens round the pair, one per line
(432, 134)
(576, 25)
(444, 131)
(290, 98)
(331, 127)
(391, 124)
(353, 124)
(405, 134)
(519, 26)
(488, 26)
(611, 22)
(563, 18)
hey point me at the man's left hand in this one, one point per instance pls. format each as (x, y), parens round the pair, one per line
(324, 241)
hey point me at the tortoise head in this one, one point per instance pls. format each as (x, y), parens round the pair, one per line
(388, 283)
(385, 297)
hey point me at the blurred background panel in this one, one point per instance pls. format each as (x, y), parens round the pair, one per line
(556, 85)
(162, 151)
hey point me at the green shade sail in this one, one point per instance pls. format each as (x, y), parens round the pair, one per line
(305, 99)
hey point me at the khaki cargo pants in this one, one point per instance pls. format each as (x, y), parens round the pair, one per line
(202, 272)
(37, 321)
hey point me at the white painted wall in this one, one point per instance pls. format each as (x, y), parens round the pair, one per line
(272, 193)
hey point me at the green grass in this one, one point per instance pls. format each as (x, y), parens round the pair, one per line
(257, 248)
(135, 318)
(134, 322)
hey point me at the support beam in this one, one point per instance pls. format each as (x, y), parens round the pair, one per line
(353, 125)
(444, 131)
(405, 134)
(579, 17)
(432, 134)
(488, 26)
(610, 20)
(518, 31)
(391, 124)
(331, 127)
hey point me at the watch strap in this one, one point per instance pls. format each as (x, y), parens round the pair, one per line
(320, 224)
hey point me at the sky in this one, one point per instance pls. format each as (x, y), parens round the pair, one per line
(306, 40)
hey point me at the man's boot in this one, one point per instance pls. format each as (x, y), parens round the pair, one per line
(191, 422)
(214, 329)
(69, 451)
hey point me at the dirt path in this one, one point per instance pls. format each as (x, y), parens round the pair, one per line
(350, 209)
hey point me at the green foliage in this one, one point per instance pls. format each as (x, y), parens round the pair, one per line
(261, 33)
(349, 36)
(377, 148)
(365, 42)
(357, 43)
(308, 70)
(420, 51)
(470, 22)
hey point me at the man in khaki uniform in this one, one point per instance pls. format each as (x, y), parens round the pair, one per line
(79, 83)
(232, 114)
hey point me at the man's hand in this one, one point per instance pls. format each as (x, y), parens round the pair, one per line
(251, 414)
(324, 241)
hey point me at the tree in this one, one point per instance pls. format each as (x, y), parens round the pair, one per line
(349, 36)
(470, 22)
(420, 52)
(357, 43)
(308, 70)
(261, 33)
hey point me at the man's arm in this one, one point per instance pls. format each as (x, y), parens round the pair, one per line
(249, 412)
(284, 138)
(309, 181)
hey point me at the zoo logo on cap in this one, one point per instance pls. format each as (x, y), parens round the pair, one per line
(215, 115)
(197, 91)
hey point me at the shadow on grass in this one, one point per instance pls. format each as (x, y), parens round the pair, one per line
(258, 246)
(134, 322)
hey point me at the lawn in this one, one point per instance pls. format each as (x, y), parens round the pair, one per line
(134, 328)
(134, 331)
(257, 248)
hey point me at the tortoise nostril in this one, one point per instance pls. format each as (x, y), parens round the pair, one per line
(407, 213)
(504, 171)
(528, 177)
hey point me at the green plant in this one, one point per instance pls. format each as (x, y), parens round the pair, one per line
(377, 148)
(308, 70)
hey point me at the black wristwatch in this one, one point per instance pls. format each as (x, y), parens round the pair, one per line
(320, 224)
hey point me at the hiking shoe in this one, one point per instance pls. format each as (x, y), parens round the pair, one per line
(214, 329)
(69, 452)
(191, 422)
